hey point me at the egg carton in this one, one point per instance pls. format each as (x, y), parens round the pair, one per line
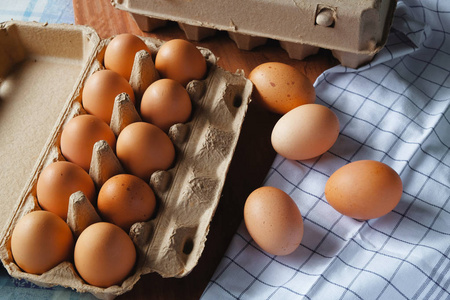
(42, 69)
(354, 31)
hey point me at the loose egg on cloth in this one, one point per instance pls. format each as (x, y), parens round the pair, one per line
(364, 189)
(273, 220)
(58, 181)
(79, 136)
(40, 241)
(104, 254)
(121, 51)
(180, 60)
(100, 91)
(125, 199)
(164, 103)
(280, 87)
(305, 132)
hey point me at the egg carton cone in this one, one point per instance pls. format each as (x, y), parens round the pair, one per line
(354, 30)
(42, 72)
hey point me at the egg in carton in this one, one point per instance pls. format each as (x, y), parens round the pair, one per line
(172, 241)
(354, 31)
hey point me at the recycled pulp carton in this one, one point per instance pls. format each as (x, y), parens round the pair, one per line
(354, 30)
(42, 69)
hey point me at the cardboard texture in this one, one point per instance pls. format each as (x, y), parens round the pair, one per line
(43, 68)
(357, 28)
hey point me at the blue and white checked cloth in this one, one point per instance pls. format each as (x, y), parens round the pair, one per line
(51, 11)
(396, 110)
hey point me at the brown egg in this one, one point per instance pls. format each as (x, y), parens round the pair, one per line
(165, 103)
(273, 220)
(364, 189)
(100, 91)
(40, 241)
(104, 254)
(125, 199)
(280, 87)
(180, 60)
(79, 136)
(120, 53)
(305, 132)
(144, 148)
(58, 181)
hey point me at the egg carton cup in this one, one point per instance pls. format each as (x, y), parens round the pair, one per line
(354, 31)
(38, 58)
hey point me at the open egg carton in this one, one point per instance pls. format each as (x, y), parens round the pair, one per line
(353, 30)
(42, 69)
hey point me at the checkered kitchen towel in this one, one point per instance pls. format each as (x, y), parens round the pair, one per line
(395, 110)
(51, 11)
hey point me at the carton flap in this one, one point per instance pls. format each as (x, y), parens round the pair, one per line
(33, 93)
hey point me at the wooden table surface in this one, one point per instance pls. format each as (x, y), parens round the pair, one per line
(254, 153)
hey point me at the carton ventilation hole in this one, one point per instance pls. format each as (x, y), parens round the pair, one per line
(237, 101)
(188, 246)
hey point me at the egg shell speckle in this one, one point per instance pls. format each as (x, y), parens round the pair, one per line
(273, 220)
(280, 87)
(364, 189)
(58, 181)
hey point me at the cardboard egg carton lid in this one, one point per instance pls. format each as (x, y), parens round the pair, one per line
(354, 30)
(42, 71)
